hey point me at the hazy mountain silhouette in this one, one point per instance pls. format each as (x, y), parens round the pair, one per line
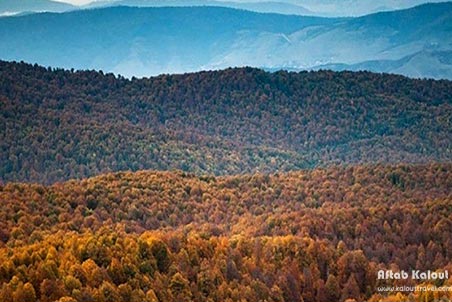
(138, 41)
(262, 7)
(149, 41)
(357, 7)
(8, 7)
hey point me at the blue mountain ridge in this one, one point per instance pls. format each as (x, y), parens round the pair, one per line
(147, 41)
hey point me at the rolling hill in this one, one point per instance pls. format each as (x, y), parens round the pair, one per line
(58, 125)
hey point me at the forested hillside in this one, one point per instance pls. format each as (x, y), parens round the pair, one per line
(57, 125)
(318, 235)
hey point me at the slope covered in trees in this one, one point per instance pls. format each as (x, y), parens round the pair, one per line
(57, 125)
(318, 235)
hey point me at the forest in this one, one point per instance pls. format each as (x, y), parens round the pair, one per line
(317, 235)
(238, 185)
(57, 124)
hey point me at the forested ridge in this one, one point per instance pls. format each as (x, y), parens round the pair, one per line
(316, 235)
(57, 125)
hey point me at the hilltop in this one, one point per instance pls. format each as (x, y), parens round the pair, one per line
(58, 124)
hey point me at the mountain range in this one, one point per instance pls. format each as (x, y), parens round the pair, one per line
(138, 41)
(12, 7)
(326, 8)
(147, 41)
(262, 7)
(357, 7)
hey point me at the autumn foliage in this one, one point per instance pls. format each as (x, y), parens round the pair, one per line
(316, 235)
(319, 203)
(57, 125)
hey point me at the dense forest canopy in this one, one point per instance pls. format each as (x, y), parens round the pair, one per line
(57, 125)
(376, 194)
(318, 235)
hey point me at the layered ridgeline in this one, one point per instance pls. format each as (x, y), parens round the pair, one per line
(256, 6)
(136, 41)
(311, 236)
(58, 125)
(302, 7)
(13, 7)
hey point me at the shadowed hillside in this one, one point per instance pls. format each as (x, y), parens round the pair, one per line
(58, 124)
